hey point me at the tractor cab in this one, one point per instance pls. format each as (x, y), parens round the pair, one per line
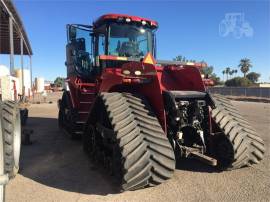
(111, 41)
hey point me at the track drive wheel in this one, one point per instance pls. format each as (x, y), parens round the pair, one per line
(139, 151)
(239, 145)
(11, 132)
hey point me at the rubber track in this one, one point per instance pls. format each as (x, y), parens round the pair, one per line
(247, 144)
(9, 110)
(147, 156)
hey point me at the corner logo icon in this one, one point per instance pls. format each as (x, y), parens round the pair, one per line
(235, 24)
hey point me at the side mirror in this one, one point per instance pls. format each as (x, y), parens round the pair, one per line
(72, 32)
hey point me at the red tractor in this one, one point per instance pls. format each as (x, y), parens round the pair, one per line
(138, 115)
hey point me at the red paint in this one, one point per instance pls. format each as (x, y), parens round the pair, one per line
(151, 82)
(162, 79)
(103, 18)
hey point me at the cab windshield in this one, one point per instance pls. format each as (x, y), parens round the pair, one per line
(129, 40)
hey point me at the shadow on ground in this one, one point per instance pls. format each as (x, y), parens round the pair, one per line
(195, 166)
(58, 162)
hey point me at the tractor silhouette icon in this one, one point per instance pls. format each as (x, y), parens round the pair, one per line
(235, 23)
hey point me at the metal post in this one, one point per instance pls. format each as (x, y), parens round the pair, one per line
(23, 87)
(31, 75)
(11, 45)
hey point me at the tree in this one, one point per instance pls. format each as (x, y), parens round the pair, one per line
(227, 71)
(207, 70)
(216, 79)
(253, 77)
(181, 58)
(223, 72)
(238, 81)
(245, 65)
(59, 81)
(184, 59)
(178, 58)
(232, 72)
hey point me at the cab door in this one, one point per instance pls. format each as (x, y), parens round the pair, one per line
(79, 58)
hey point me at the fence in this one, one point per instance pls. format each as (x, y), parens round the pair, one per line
(241, 91)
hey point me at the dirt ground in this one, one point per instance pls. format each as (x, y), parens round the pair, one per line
(55, 168)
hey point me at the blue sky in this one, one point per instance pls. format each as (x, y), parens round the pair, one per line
(189, 28)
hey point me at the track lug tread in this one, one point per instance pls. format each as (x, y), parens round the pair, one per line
(147, 157)
(248, 147)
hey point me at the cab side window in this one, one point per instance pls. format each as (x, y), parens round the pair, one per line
(79, 45)
(101, 44)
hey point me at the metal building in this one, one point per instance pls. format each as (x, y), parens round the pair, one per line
(13, 37)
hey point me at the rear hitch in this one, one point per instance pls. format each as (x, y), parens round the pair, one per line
(203, 158)
(197, 153)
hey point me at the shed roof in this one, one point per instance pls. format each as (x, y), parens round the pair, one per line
(8, 9)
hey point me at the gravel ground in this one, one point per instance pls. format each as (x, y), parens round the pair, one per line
(55, 168)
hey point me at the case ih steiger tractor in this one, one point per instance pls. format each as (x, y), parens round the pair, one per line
(138, 115)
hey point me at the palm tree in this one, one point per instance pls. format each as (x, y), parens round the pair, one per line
(223, 72)
(235, 71)
(184, 59)
(231, 72)
(245, 65)
(178, 58)
(227, 70)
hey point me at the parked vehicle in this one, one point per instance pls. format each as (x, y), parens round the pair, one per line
(136, 115)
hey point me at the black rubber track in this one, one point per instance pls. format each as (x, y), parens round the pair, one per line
(147, 156)
(9, 111)
(247, 145)
(69, 127)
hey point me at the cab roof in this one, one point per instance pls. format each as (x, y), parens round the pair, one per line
(115, 17)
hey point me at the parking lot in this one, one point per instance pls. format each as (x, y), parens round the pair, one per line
(55, 168)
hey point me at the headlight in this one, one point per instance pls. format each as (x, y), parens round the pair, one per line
(126, 72)
(142, 31)
(138, 73)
